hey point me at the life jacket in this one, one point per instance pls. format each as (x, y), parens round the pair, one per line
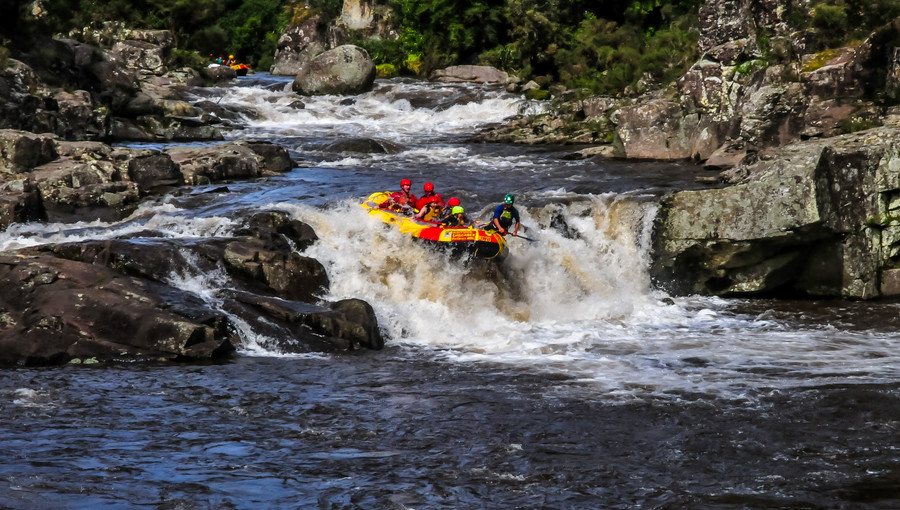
(399, 201)
(453, 221)
(434, 213)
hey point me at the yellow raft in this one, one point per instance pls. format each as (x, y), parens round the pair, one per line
(480, 243)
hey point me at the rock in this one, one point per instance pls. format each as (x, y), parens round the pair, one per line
(270, 225)
(787, 226)
(220, 73)
(346, 69)
(20, 202)
(470, 74)
(299, 44)
(72, 190)
(142, 56)
(233, 160)
(272, 158)
(660, 129)
(726, 156)
(150, 169)
(78, 118)
(159, 128)
(365, 146)
(55, 310)
(20, 151)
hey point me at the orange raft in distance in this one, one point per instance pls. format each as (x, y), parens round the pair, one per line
(480, 243)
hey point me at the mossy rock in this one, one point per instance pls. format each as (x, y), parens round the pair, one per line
(537, 94)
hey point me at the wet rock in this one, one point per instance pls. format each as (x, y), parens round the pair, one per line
(365, 146)
(55, 310)
(150, 169)
(271, 225)
(270, 286)
(71, 190)
(346, 69)
(220, 73)
(295, 327)
(225, 112)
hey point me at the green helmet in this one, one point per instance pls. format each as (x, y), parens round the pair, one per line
(509, 199)
(457, 210)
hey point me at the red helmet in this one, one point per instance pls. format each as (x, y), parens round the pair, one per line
(433, 199)
(453, 202)
(405, 182)
(429, 186)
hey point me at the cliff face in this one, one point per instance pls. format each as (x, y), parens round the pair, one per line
(812, 210)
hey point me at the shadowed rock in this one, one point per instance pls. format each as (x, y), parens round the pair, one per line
(54, 310)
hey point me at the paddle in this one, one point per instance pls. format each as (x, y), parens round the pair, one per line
(525, 238)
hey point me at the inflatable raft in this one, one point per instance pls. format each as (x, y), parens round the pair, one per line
(480, 243)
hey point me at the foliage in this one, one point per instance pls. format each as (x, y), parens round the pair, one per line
(449, 32)
(832, 23)
(4, 57)
(854, 124)
(607, 57)
(248, 29)
(386, 70)
(747, 68)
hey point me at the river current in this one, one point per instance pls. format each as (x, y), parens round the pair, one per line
(561, 379)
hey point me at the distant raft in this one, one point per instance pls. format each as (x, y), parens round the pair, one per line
(240, 69)
(480, 243)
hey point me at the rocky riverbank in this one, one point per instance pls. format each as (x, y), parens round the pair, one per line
(112, 300)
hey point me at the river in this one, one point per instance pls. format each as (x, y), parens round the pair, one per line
(563, 378)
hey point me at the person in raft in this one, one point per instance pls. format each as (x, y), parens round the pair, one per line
(428, 190)
(430, 209)
(457, 218)
(402, 201)
(504, 215)
(448, 211)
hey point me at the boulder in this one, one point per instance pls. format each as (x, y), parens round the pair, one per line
(346, 69)
(73, 190)
(788, 226)
(55, 311)
(299, 44)
(20, 151)
(471, 74)
(141, 56)
(220, 73)
(365, 146)
(78, 118)
(150, 169)
(233, 160)
(20, 202)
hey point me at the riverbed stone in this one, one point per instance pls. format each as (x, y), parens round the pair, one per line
(347, 69)
(805, 218)
(56, 310)
(21, 151)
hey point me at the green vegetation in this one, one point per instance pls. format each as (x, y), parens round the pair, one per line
(600, 47)
(854, 124)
